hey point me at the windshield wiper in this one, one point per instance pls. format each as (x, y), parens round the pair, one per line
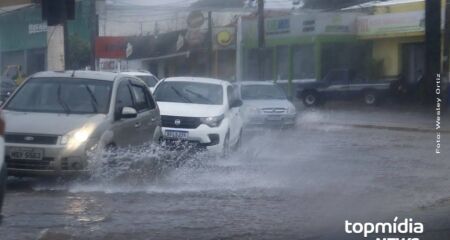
(61, 102)
(180, 94)
(198, 95)
(93, 99)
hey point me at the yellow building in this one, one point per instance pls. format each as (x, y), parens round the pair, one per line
(396, 31)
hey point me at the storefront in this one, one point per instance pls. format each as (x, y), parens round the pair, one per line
(23, 36)
(177, 53)
(302, 47)
(398, 42)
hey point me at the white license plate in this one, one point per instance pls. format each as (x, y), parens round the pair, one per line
(26, 153)
(274, 118)
(176, 134)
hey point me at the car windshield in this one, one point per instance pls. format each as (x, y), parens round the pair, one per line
(151, 81)
(190, 92)
(261, 92)
(62, 95)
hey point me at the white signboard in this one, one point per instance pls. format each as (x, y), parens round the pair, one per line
(37, 28)
(391, 23)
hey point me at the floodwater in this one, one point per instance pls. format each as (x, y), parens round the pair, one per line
(300, 183)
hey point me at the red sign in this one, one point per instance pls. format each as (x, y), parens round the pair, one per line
(110, 47)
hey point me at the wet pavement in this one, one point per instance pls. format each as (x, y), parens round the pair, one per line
(298, 183)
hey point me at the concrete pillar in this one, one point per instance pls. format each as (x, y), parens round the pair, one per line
(55, 48)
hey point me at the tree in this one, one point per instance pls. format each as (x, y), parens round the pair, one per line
(79, 53)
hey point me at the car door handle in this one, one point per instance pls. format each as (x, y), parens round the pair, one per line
(153, 119)
(137, 125)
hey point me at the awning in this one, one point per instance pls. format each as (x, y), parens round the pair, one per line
(186, 54)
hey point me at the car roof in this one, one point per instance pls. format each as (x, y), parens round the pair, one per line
(196, 79)
(97, 75)
(137, 73)
(256, 83)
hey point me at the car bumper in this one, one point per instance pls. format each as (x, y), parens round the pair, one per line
(271, 120)
(57, 160)
(209, 138)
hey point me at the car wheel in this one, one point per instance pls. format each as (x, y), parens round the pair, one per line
(3, 176)
(226, 146)
(311, 98)
(370, 98)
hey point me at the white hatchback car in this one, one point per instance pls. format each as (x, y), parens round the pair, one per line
(202, 111)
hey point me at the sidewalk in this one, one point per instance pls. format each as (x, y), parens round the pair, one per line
(390, 117)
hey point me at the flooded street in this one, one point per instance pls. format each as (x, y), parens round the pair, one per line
(282, 184)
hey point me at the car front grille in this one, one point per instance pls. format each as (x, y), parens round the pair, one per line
(30, 138)
(180, 122)
(274, 110)
(43, 164)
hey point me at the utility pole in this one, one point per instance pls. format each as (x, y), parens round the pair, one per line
(67, 63)
(210, 44)
(261, 40)
(446, 64)
(94, 32)
(432, 49)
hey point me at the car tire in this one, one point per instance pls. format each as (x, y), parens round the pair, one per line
(3, 176)
(370, 98)
(226, 146)
(310, 98)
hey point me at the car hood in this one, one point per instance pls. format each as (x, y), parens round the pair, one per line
(190, 110)
(48, 123)
(267, 104)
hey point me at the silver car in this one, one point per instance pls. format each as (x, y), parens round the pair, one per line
(266, 104)
(55, 118)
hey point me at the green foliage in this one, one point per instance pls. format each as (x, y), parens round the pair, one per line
(79, 53)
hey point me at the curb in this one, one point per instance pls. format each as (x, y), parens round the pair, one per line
(393, 128)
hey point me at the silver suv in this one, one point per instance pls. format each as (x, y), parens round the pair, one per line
(55, 118)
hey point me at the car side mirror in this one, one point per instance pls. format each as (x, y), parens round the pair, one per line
(128, 112)
(236, 103)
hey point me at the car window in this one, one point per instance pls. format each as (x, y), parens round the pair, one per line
(189, 92)
(124, 98)
(262, 92)
(141, 102)
(150, 81)
(62, 95)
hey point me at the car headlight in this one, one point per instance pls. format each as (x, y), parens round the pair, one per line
(213, 121)
(292, 110)
(78, 137)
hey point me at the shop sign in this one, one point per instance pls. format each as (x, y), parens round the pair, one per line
(37, 28)
(195, 19)
(391, 23)
(225, 38)
(278, 26)
(111, 47)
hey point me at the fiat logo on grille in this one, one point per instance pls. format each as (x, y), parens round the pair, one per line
(177, 122)
(29, 138)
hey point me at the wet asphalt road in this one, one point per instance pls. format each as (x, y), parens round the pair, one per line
(289, 184)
